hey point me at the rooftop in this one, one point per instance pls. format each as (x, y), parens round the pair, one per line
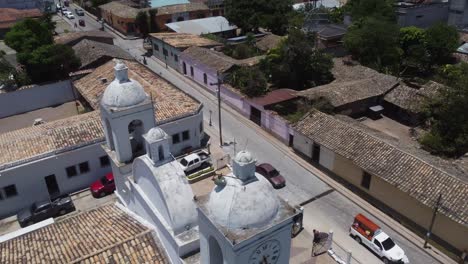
(159, 3)
(71, 37)
(275, 96)
(410, 98)
(352, 83)
(268, 42)
(119, 9)
(217, 61)
(90, 51)
(170, 102)
(406, 171)
(9, 16)
(202, 26)
(103, 235)
(184, 40)
(181, 8)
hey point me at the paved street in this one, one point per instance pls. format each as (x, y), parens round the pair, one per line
(330, 211)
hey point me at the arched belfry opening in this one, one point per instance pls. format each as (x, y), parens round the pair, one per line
(135, 133)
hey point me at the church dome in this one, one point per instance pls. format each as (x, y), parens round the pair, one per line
(155, 134)
(237, 205)
(244, 157)
(122, 91)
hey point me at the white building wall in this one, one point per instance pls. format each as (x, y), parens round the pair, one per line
(327, 158)
(303, 144)
(191, 123)
(29, 178)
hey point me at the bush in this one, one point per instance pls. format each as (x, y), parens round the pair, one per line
(249, 80)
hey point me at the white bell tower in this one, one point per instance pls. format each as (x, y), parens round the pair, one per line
(242, 220)
(157, 146)
(126, 113)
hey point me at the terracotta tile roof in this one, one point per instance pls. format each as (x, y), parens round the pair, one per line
(216, 60)
(174, 9)
(170, 102)
(90, 51)
(406, 172)
(9, 16)
(103, 235)
(352, 83)
(275, 96)
(184, 40)
(76, 36)
(119, 9)
(268, 42)
(411, 98)
(31, 143)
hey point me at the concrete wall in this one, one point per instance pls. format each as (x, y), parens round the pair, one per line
(172, 57)
(423, 16)
(20, 4)
(458, 13)
(30, 183)
(36, 97)
(123, 25)
(192, 124)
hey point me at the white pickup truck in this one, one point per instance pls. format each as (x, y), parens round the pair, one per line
(194, 161)
(368, 233)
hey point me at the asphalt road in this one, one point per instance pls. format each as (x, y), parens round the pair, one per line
(331, 211)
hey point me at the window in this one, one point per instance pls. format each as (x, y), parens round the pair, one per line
(176, 58)
(10, 191)
(104, 161)
(160, 153)
(71, 171)
(175, 139)
(185, 135)
(165, 52)
(201, 127)
(156, 47)
(191, 71)
(84, 167)
(378, 244)
(388, 244)
(205, 78)
(366, 179)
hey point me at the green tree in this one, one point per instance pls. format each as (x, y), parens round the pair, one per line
(27, 35)
(375, 43)
(441, 42)
(360, 9)
(413, 46)
(296, 64)
(142, 23)
(11, 78)
(250, 81)
(447, 114)
(153, 26)
(336, 15)
(47, 21)
(97, 3)
(249, 15)
(50, 62)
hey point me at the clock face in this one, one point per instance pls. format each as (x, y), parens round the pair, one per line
(266, 253)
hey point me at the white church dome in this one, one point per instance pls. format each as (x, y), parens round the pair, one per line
(239, 206)
(155, 134)
(122, 91)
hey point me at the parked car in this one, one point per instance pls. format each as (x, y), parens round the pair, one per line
(79, 12)
(58, 7)
(64, 10)
(271, 174)
(366, 232)
(40, 211)
(69, 15)
(81, 22)
(104, 186)
(194, 161)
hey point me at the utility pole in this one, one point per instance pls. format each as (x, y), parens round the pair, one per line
(220, 81)
(428, 234)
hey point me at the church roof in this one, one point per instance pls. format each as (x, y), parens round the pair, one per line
(170, 102)
(103, 235)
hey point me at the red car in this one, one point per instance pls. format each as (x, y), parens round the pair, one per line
(271, 174)
(103, 186)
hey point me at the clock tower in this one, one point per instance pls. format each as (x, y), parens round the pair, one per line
(242, 220)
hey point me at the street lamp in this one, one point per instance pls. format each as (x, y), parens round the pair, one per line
(211, 124)
(220, 78)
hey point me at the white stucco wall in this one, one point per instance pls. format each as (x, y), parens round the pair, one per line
(36, 97)
(303, 144)
(327, 158)
(191, 123)
(30, 183)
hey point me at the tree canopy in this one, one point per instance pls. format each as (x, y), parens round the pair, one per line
(360, 9)
(50, 62)
(375, 43)
(249, 15)
(447, 114)
(250, 81)
(441, 42)
(142, 23)
(27, 35)
(295, 63)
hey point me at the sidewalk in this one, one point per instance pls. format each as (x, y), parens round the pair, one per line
(301, 248)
